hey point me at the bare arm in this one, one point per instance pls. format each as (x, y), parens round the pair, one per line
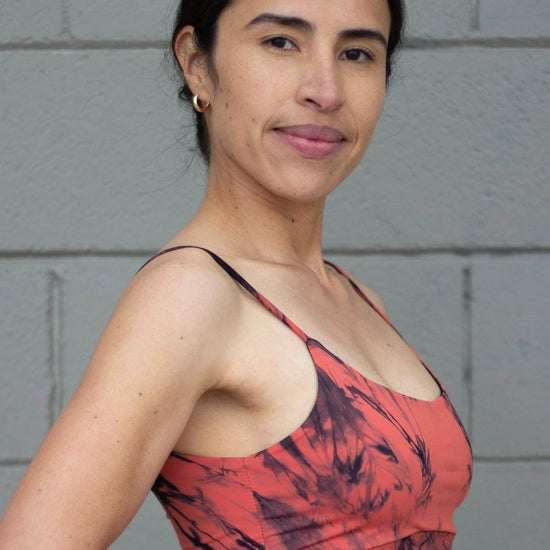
(158, 354)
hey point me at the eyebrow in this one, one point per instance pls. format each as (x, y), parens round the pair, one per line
(368, 34)
(283, 20)
(302, 24)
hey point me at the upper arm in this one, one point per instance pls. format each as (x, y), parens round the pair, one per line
(158, 354)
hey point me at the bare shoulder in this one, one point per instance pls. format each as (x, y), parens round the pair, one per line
(372, 296)
(185, 272)
(182, 299)
(187, 283)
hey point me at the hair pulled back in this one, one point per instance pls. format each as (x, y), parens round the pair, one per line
(203, 16)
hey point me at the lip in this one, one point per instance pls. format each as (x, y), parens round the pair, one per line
(312, 141)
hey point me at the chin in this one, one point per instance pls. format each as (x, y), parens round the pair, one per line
(305, 189)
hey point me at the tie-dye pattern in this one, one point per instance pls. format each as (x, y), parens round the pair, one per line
(369, 468)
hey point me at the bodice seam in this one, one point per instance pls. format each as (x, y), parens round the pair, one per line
(254, 501)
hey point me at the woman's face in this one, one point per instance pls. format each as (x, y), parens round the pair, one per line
(296, 90)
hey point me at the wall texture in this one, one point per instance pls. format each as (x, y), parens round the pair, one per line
(447, 217)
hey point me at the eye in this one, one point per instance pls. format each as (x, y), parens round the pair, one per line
(280, 43)
(357, 55)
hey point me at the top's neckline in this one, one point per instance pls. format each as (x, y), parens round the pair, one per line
(235, 275)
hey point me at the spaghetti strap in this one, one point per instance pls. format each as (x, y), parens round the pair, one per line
(242, 282)
(263, 300)
(358, 290)
(355, 286)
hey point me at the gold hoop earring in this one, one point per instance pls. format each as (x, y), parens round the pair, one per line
(198, 107)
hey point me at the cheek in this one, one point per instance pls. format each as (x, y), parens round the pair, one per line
(242, 106)
(366, 111)
(235, 119)
(371, 106)
(248, 84)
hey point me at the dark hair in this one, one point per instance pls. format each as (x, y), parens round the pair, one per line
(203, 16)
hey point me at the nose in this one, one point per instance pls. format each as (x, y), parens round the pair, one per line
(320, 84)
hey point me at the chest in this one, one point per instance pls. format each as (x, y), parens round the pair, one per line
(350, 328)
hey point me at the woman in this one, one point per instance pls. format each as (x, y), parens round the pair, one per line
(262, 436)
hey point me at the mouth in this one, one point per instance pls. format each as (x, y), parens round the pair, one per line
(311, 141)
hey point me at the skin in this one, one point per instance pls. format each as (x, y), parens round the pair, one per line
(188, 360)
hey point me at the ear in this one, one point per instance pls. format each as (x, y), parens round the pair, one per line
(193, 63)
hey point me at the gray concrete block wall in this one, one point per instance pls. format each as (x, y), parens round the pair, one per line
(25, 378)
(447, 218)
(136, 20)
(23, 22)
(512, 385)
(511, 19)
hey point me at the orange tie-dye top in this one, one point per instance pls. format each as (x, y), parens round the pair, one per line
(370, 468)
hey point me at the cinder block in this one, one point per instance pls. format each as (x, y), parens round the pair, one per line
(9, 478)
(423, 297)
(512, 19)
(91, 289)
(460, 158)
(25, 381)
(122, 20)
(437, 19)
(149, 529)
(511, 320)
(24, 21)
(507, 508)
(94, 159)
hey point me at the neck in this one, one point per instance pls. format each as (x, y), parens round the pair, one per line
(249, 220)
